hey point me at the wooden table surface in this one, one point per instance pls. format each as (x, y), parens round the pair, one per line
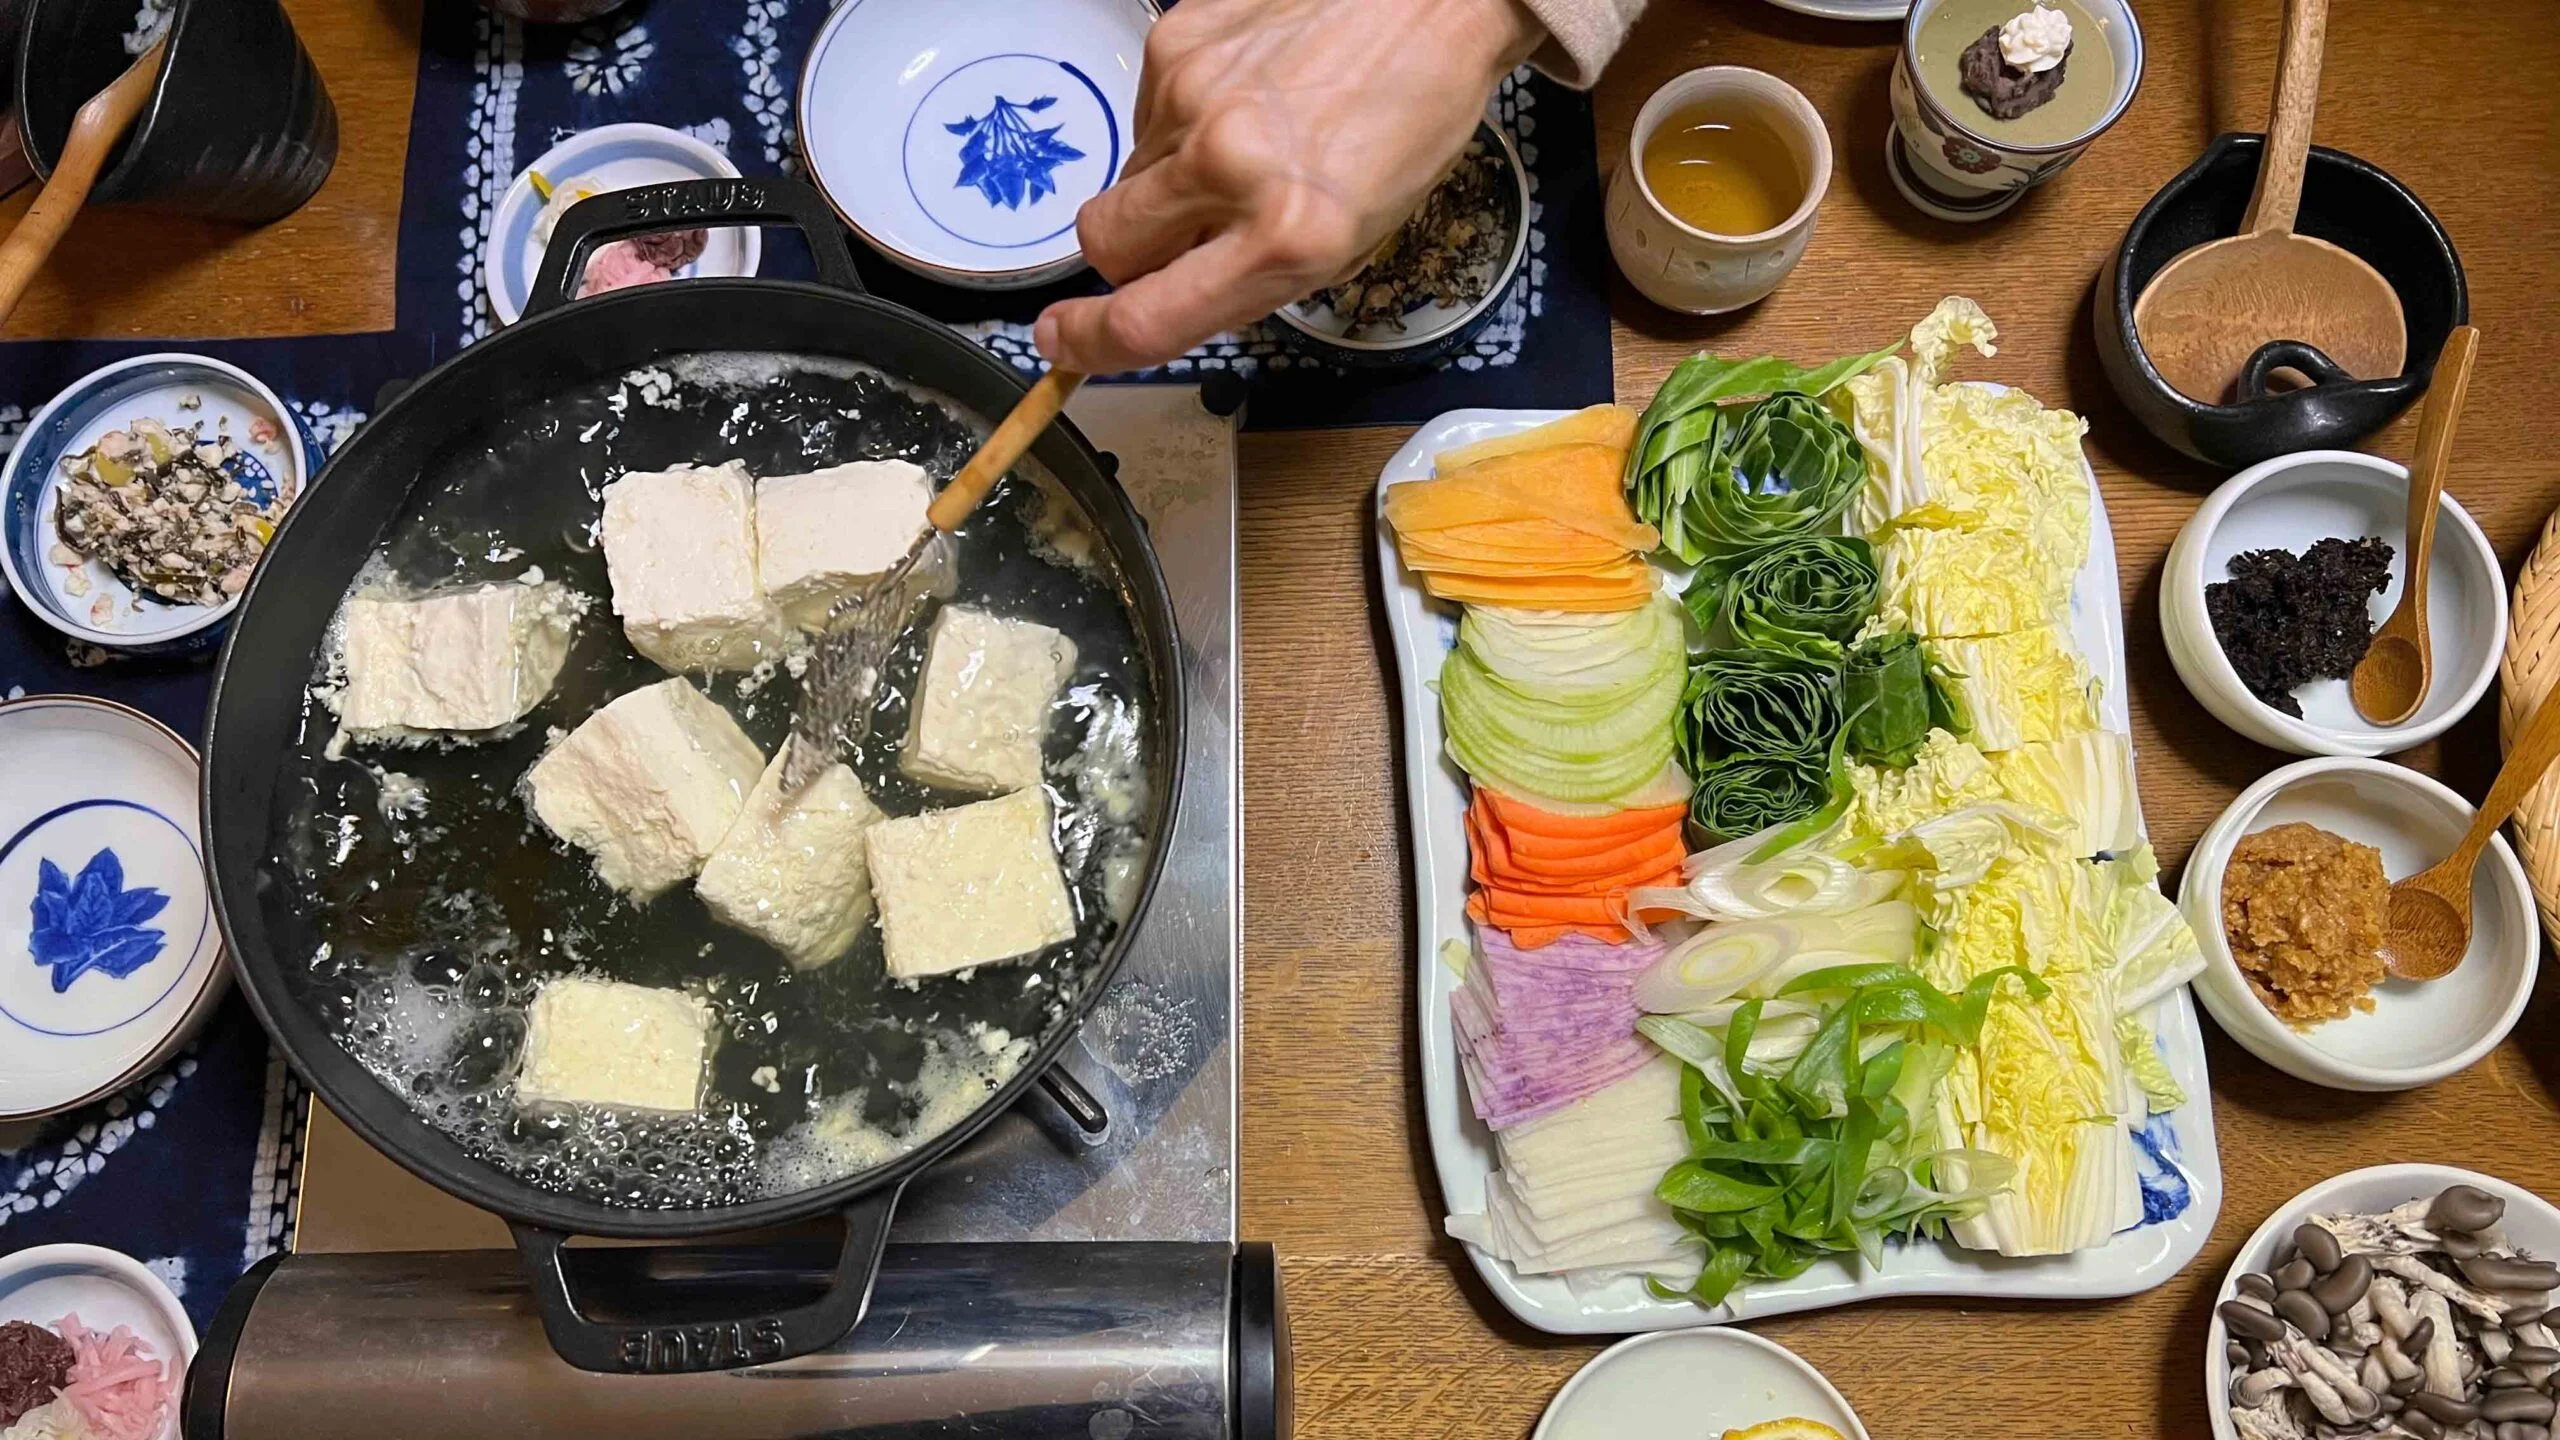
(1395, 1338)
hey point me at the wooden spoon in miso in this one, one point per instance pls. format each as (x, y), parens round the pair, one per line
(2209, 309)
(2428, 927)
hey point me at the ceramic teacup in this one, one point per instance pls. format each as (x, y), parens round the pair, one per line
(1682, 267)
(1950, 170)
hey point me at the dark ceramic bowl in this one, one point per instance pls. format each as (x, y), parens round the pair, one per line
(239, 126)
(2345, 201)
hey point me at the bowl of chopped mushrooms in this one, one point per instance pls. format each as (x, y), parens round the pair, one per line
(1437, 280)
(2287, 892)
(2395, 1301)
(141, 498)
(2272, 591)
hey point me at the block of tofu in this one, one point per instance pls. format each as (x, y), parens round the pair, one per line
(601, 1042)
(967, 886)
(461, 660)
(680, 548)
(827, 534)
(647, 785)
(792, 870)
(981, 712)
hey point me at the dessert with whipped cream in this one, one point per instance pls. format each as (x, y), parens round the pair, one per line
(2032, 74)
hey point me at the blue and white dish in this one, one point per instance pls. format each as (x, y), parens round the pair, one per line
(87, 602)
(109, 957)
(609, 157)
(1431, 331)
(959, 137)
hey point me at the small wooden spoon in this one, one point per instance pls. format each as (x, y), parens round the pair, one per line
(2209, 309)
(2429, 926)
(2391, 681)
(100, 123)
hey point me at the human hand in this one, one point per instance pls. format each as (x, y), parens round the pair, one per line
(1279, 143)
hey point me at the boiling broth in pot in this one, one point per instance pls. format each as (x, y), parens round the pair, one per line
(442, 905)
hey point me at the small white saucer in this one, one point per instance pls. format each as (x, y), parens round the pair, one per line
(610, 157)
(43, 1283)
(959, 137)
(109, 957)
(1699, 1382)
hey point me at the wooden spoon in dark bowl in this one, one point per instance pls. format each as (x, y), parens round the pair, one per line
(2210, 309)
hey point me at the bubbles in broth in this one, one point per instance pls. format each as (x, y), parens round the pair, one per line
(436, 907)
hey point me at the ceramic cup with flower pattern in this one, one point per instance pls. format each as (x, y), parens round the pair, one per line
(1678, 265)
(1942, 151)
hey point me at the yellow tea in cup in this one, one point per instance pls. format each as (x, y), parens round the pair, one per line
(1723, 169)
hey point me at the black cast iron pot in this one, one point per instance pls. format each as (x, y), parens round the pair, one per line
(2346, 201)
(257, 715)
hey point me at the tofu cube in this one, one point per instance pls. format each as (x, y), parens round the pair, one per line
(680, 548)
(647, 785)
(793, 871)
(828, 534)
(981, 712)
(463, 660)
(601, 1042)
(968, 886)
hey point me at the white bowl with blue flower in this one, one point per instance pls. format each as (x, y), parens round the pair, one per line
(80, 595)
(109, 956)
(959, 137)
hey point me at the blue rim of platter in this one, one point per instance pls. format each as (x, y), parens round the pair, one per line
(34, 469)
(118, 909)
(1003, 135)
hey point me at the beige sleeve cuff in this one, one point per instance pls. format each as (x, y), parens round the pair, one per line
(1581, 36)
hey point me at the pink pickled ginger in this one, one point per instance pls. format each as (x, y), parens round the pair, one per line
(121, 1389)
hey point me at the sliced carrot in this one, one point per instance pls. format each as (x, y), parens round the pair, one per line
(1576, 593)
(1519, 815)
(1611, 425)
(1577, 486)
(1498, 864)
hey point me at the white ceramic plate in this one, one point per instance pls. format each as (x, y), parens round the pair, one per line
(42, 1283)
(1848, 9)
(98, 836)
(611, 157)
(1692, 1382)
(2530, 1222)
(958, 137)
(1461, 1146)
(2416, 1033)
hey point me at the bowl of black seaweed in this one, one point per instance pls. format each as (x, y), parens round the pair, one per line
(2272, 591)
(1445, 274)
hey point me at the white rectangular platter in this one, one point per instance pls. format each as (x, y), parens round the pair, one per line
(2175, 1150)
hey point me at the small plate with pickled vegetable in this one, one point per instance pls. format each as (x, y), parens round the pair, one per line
(141, 498)
(1880, 743)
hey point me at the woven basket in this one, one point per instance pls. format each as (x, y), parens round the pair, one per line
(2526, 675)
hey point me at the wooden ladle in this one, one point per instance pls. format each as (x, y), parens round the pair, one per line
(2209, 309)
(2391, 681)
(2429, 923)
(100, 123)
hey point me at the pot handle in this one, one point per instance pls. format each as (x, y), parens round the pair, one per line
(695, 1343)
(688, 205)
(2277, 355)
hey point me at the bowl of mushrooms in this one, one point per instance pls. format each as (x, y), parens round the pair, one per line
(2399, 1302)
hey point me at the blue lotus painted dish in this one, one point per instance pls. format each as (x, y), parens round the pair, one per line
(109, 957)
(959, 137)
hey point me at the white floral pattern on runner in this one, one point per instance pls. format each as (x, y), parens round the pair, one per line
(497, 69)
(607, 56)
(760, 54)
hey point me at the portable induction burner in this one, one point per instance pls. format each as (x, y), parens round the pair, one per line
(1070, 1271)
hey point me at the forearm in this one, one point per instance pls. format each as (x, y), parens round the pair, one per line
(1582, 35)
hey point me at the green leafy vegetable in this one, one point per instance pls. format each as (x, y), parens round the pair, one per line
(1797, 1158)
(1756, 728)
(1804, 596)
(1721, 478)
(1897, 697)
